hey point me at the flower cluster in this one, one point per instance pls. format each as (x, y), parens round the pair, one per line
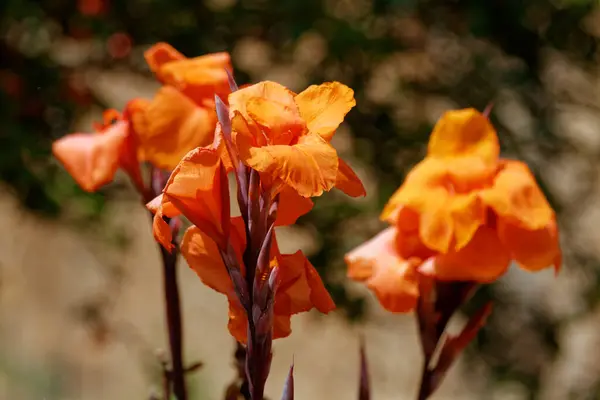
(462, 214)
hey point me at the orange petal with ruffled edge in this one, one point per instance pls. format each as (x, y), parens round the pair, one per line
(162, 231)
(348, 182)
(267, 90)
(291, 206)
(170, 126)
(533, 250)
(300, 287)
(281, 122)
(309, 167)
(483, 260)
(92, 159)
(517, 198)
(464, 133)
(194, 188)
(160, 54)
(394, 280)
(324, 107)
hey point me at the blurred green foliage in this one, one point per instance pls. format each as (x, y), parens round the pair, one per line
(405, 59)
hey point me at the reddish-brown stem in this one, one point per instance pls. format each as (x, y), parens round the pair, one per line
(174, 325)
(425, 389)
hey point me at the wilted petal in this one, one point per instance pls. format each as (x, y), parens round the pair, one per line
(170, 126)
(348, 182)
(291, 206)
(532, 249)
(483, 259)
(393, 279)
(517, 198)
(92, 159)
(324, 107)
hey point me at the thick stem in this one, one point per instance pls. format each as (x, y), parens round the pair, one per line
(173, 311)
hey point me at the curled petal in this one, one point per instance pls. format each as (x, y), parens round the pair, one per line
(515, 196)
(324, 107)
(464, 133)
(348, 182)
(483, 259)
(468, 213)
(310, 166)
(92, 159)
(300, 287)
(393, 279)
(532, 249)
(194, 188)
(160, 54)
(170, 126)
(291, 206)
(162, 232)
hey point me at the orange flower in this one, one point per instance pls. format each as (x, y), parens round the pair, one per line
(93, 158)
(161, 131)
(299, 288)
(462, 214)
(286, 136)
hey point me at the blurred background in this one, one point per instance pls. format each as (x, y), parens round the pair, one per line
(81, 313)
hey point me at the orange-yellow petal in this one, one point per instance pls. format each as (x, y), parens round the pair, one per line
(348, 182)
(324, 107)
(92, 159)
(267, 90)
(200, 78)
(464, 133)
(291, 206)
(468, 213)
(393, 279)
(533, 250)
(483, 259)
(516, 197)
(160, 203)
(281, 122)
(160, 54)
(170, 126)
(309, 167)
(194, 188)
(238, 321)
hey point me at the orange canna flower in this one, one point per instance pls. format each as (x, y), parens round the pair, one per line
(462, 214)
(286, 136)
(160, 131)
(299, 286)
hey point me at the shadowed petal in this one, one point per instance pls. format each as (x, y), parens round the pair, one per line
(393, 279)
(291, 206)
(517, 198)
(348, 182)
(484, 259)
(160, 54)
(170, 126)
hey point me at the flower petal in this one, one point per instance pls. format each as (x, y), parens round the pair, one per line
(461, 133)
(281, 122)
(162, 231)
(291, 206)
(194, 188)
(170, 126)
(92, 159)
(300, 287)
(324, 107)
(483, 259)
(348, 182)
(267, 90)
(200, 78)
(310, 167)
(393, 279)
(238, 321)
(160, 54)
(532, 249)
(516, 196)
(468, 213)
